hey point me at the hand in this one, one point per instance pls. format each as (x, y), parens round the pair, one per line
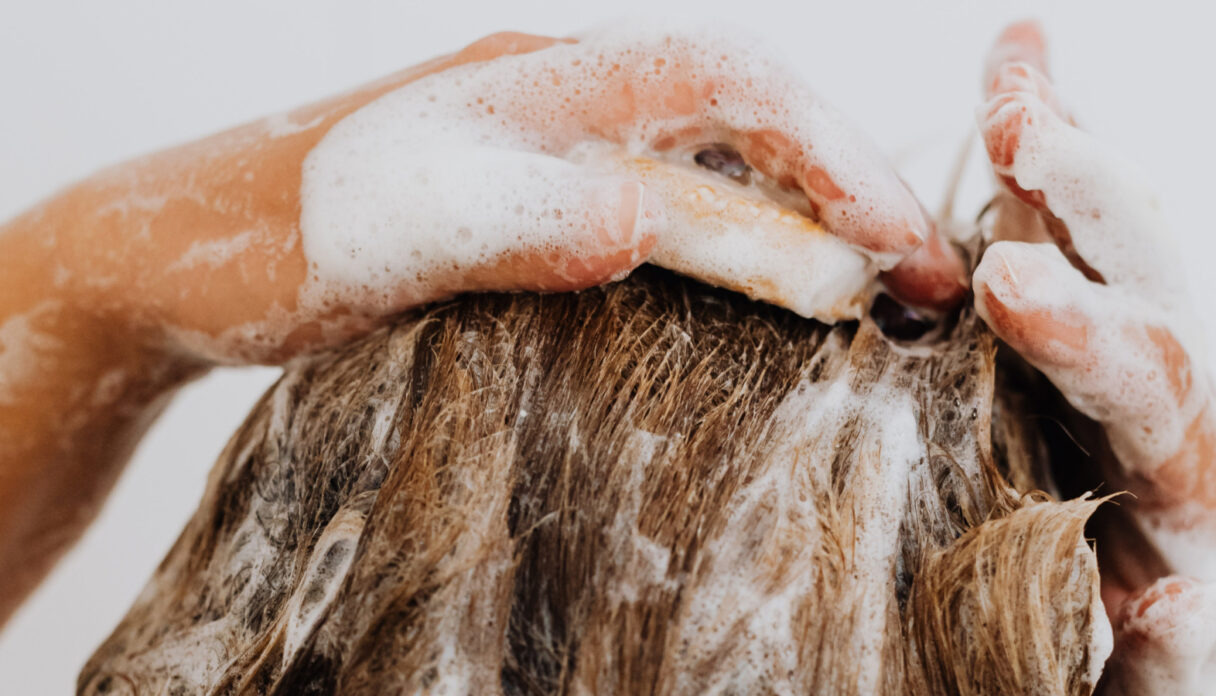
(300, 231)
(1086, 285)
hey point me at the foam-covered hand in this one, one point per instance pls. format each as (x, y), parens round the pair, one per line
(491, 169)
(1085, 283)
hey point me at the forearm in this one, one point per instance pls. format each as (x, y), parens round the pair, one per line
(199, 246)
(76, 391)
(118, 289)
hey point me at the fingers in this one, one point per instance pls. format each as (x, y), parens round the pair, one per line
(1020, 42)
(1027, 293)
(476, 218)
(1096, 203)
(1099, 313)
(677, 90)
(681, 94)
(1120, 349)
(729, 235)
(1165, 640)
(1112, 358)
(664, 92)
(663, 96)
(1017, 63)
(933, 276)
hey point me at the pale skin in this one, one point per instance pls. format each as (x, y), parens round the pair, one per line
(101, 319)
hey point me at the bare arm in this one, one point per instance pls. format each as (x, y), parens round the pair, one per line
(103, 313)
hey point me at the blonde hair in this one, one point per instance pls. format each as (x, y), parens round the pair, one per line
(654, 487)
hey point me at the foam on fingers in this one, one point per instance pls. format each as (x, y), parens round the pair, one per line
(1166, 640)
(1028, 294)
(392, 226)
(1115, 222)
(1107, 350)
(1020, 42)
(458, 170)
(683, 87)
(1137, 373)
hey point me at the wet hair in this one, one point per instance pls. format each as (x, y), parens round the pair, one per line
(653, 487)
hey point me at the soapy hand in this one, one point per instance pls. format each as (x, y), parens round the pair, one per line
(492, 169)
(1084, 282)
(561, 168)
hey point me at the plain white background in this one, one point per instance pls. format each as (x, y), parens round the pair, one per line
(87, 84)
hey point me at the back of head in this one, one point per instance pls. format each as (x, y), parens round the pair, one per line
(654, 487)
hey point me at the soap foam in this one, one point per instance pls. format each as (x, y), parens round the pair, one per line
(1117, 378)
(735, 237)
(1168, 641)
(22, 347)
(1116, 221)
(738, 592)
(450, 172)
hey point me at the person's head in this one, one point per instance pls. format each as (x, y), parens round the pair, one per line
(653, 487)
